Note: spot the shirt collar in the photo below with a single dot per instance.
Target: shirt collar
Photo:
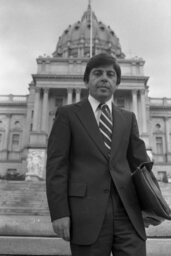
(95, 103)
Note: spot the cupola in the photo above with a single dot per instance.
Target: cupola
(76, 39)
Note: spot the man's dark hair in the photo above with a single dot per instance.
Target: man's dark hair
(102, 59)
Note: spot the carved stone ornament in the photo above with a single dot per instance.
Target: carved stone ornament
(36, 161)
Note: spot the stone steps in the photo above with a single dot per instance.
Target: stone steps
(25, 226)
(56, 246)
(23, 198)
(22, 225)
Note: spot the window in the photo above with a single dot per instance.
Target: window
(159, 145)
(17, 122)
(17, 125)
(13, 174)
(15, 141)
(120, 102)
(158, 126)
(31, 127)
(102, 28)
(162, 176)
(11, 171)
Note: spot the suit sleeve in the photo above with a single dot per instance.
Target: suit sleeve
(57, 166)
(136, 153)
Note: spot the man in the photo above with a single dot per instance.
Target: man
(93, 148)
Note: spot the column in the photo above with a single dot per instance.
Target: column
(82, 52)
(45, 110)
(69, 96)
(36, 110)
(134, 102)
(78, 94)
(167, 130)
(143, 111)
(27, 126)
(7, 132)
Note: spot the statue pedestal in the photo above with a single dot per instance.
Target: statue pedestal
(36, 164)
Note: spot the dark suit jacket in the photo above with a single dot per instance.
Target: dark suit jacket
(79, 171)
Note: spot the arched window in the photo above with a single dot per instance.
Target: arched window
(15, 142)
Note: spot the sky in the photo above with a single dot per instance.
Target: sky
(31, 28)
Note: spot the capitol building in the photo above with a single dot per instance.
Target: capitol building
(26, 121)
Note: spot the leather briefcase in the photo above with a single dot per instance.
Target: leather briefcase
(153, 205)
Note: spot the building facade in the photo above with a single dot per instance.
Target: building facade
(26, 121)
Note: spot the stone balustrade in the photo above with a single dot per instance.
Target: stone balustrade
(160, 101)
(13, 98)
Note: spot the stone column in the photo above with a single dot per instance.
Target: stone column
(27, 127)
(167, 131)
(143, 111)
(45, 110)
(82, 52)
(6, 147)
(36, 110)
(134, 103)
(78, 94)
(69, 96)
(7, 132)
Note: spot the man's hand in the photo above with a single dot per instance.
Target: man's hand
(62, 227)
(151, 219)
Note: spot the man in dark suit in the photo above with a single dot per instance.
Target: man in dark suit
(92, 200)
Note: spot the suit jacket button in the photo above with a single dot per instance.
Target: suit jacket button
(106, 190)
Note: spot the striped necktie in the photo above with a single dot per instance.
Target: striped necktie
(105, 126)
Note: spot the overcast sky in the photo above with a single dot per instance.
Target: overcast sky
(30, 28)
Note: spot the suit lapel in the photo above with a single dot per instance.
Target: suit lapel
(117, 130)
(87, 118)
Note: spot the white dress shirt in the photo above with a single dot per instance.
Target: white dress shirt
(95, 107)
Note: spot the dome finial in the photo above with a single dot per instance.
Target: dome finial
(89, 4)
(91, 30)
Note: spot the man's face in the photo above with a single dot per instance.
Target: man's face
(102, 83)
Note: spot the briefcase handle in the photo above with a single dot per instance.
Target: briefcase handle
(148, 165)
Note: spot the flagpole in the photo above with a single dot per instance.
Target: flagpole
(91, 30)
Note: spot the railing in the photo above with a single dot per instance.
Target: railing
(13, 98)
(160, 101)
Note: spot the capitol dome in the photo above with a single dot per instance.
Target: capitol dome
(75, 40)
